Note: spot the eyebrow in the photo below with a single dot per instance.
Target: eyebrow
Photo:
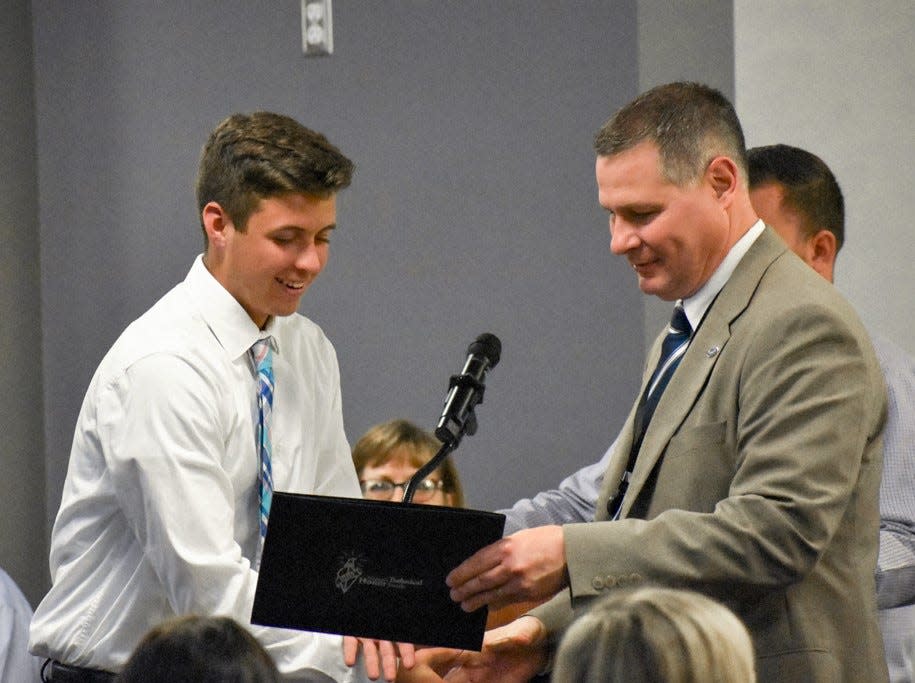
(640, 206)
(298, 228)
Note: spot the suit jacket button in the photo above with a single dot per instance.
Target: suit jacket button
(611, 582)
(597, 583)
(635, 578)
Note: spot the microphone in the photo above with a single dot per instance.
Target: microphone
(466, 390)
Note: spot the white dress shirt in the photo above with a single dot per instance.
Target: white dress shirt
(159, 514)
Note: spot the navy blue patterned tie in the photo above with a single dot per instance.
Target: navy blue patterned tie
(673, 348)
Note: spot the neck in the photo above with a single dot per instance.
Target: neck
(741, 217)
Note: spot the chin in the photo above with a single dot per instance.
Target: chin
(649, 287)
(283, 310)
(655, 287)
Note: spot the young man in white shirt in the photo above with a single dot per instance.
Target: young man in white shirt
(160, 513)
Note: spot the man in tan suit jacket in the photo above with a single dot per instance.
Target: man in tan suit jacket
(757, 479)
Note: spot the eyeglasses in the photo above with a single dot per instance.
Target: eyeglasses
(383, 489)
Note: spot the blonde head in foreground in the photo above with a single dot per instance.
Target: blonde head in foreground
(656, 635)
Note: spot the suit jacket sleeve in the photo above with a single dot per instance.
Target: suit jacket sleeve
(572, 501)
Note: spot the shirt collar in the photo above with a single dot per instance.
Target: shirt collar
(696, 306)
(229, 322)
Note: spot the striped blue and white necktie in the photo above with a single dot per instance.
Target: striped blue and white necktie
(263, 360)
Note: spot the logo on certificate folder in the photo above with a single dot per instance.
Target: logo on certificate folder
(349, 573)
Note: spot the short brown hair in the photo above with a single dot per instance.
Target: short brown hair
(690, 123)
(249, 157)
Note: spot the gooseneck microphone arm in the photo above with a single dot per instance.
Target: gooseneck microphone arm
(426, 470)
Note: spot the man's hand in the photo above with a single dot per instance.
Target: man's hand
(380, 656)
(528, 565)
(511, 653)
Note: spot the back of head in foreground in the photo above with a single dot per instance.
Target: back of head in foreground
(199, 650)
(656, 635)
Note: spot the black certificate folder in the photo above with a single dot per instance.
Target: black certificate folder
(371, 569)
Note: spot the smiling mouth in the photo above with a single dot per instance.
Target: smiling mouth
(291, 285)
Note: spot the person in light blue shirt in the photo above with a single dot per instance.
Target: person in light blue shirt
(16, 664)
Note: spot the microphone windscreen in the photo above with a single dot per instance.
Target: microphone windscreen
(488, 346)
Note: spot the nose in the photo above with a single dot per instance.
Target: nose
(403, 489)
(391, 494)
(623, 238)
(309, 259)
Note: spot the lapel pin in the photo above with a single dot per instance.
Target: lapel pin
(712, 352)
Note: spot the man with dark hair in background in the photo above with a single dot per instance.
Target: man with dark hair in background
(753, 477)
(213, 398)
(795, 192)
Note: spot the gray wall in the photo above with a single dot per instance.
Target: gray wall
(23, 547)
(839, 79)
(473, 208)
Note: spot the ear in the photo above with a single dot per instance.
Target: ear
(723, 177)
(216, 224)
(822, 251)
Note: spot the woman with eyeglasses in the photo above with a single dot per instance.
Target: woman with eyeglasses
(388, 454)
(385, 457)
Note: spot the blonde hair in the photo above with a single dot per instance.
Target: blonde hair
(400, 439)
(656, 635)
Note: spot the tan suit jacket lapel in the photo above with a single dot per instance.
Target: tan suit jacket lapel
(694, 369)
